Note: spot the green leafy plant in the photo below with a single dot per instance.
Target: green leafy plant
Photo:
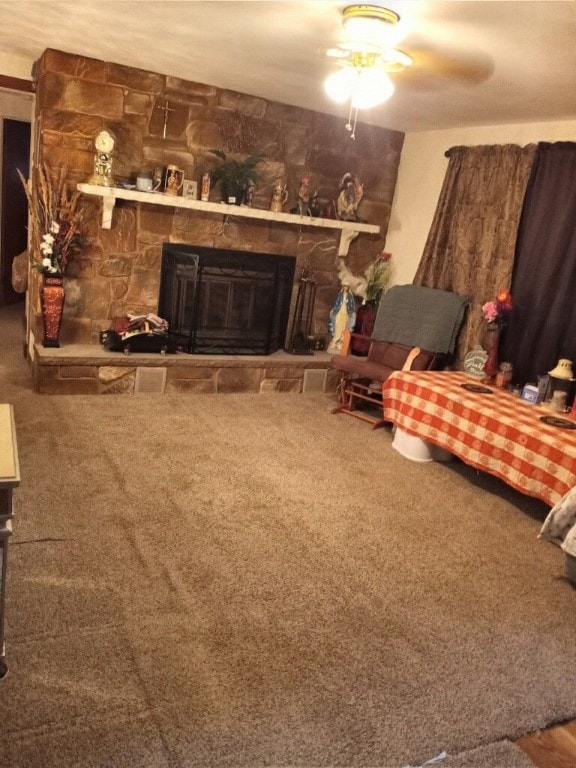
(378, 276)
(235, 176)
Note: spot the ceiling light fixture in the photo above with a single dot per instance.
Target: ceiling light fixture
(366, 56)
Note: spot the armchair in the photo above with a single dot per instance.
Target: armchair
(416, 328)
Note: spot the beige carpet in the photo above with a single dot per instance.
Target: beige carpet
(248, 580)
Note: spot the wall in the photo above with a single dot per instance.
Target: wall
(15, 105)
(421, 173)
(119, 272)
(15, 66)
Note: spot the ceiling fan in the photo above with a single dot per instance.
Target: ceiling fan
(366, 56)
(369, 54)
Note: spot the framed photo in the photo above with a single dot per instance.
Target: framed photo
(190, 190)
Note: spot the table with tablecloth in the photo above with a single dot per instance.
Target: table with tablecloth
(497, 432)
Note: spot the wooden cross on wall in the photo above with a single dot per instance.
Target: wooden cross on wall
(166, 109)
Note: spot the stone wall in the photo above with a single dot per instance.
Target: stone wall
(120, 269)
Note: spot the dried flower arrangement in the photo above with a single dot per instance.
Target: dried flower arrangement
(56, 220)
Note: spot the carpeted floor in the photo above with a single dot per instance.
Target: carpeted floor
(248, 581)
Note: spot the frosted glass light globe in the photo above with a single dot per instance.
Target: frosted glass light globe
(365, 86)
(340, 85)
(372, 87)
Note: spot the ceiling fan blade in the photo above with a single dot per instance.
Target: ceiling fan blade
(434, 70)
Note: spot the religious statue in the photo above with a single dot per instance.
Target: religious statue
(342, 318)
(351, 191)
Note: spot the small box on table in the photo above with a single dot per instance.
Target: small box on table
(530, 393)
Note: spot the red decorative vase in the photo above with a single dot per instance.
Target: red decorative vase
(491, 366)
(52, 302)
(365, 318)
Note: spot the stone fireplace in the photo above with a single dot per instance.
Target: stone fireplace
(225, 302)
(119, 269)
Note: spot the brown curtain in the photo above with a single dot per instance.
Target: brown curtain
(470, 247)
(542, 326)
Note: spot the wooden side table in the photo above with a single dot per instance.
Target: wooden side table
(9, 479)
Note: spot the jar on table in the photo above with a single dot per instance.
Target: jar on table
(504, 376)
(558, 401)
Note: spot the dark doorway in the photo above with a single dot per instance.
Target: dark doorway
(225, 302)
(14, 215)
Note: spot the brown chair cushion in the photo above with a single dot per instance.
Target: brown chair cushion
(394, 355)
(384, 358)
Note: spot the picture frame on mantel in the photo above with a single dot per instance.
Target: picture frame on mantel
(190, 189)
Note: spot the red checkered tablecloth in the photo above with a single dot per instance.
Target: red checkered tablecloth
(498, 432)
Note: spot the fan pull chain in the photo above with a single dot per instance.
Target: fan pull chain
(349, 125)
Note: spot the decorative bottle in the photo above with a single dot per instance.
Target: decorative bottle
(205, 188)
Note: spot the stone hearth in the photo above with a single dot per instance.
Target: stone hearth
(88, 369)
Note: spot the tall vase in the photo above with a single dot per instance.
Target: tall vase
(52, 302)
(365, 318)
(491, 366)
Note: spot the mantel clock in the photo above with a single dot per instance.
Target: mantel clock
(104, 142)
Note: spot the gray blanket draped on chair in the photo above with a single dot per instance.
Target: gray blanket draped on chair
(421, 317)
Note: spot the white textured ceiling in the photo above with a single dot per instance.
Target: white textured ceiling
(476, 63)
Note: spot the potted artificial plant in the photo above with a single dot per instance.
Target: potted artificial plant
(234, 176)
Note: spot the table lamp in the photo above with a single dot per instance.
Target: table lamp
(561, 380)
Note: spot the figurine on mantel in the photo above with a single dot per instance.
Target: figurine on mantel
(302, 207)
(315, 206)
(279, 197)
(249, 194)
(351, 192)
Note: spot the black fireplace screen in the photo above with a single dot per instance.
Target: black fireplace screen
(225, 302)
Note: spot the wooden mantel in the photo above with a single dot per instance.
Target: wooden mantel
(348, 229)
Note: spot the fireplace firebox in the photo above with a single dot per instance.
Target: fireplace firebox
(225, 302)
